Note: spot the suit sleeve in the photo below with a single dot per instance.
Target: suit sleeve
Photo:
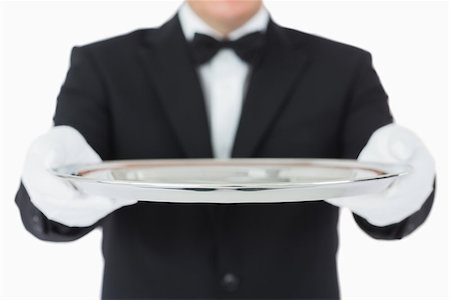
(82, 104)
(367, 111)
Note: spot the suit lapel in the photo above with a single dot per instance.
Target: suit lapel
(167, 60)
(269, 88)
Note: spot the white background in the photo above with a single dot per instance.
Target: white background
(409, 43)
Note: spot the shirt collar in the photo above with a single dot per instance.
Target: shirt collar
(192, 23)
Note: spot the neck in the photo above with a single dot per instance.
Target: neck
(224, 26)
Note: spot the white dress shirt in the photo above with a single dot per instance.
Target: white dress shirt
(224, 78)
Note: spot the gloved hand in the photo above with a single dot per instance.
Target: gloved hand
(394, 144)
(57, 200)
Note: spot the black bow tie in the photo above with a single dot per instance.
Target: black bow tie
(248, 47)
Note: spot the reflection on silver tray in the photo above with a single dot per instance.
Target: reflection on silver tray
(237, 180)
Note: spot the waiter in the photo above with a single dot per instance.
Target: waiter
(221, 79)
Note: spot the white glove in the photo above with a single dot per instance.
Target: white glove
(394, 144)
(57, 200)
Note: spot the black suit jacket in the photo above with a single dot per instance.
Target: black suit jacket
(138, 96)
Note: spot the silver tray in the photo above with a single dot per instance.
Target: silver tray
(246, 180)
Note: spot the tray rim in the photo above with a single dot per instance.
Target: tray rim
(67, 172)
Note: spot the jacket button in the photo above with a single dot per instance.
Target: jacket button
(230, 282)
